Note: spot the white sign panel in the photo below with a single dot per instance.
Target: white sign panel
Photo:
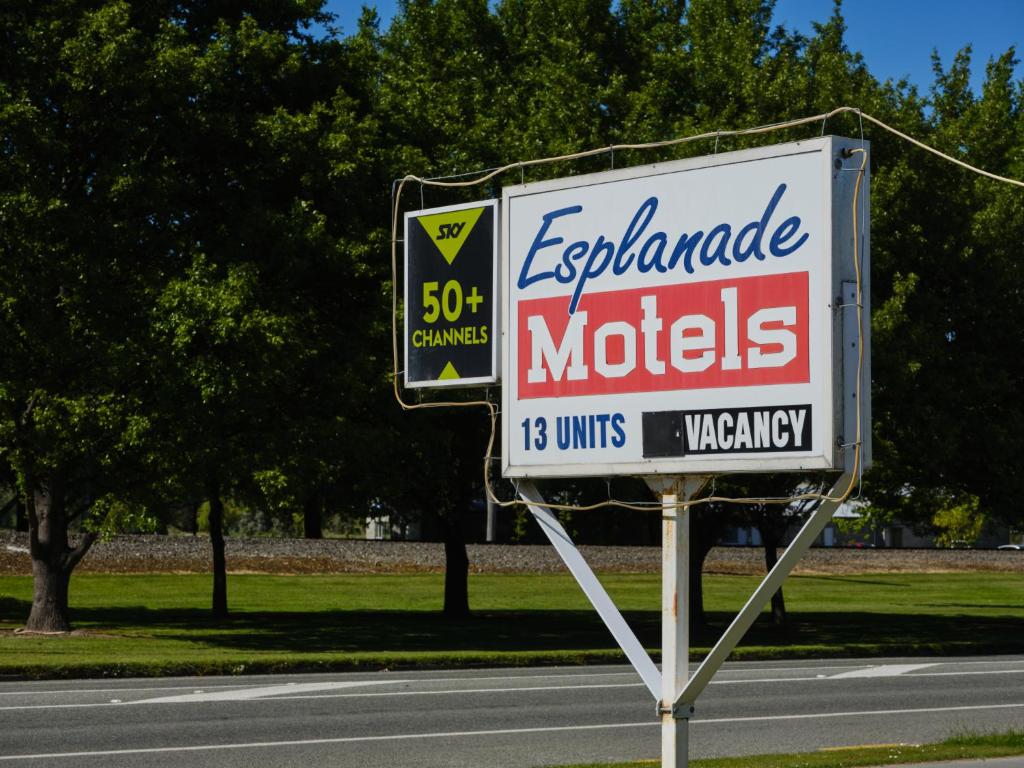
(680, 317)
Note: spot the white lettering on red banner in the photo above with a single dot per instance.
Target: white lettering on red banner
(717, 333)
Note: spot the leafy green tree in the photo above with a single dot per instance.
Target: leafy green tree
(947, 324)
(261, 328)
(559, 71)
(958, 524)
(82, 247)
(438, 79)
(773, 521)
(652, 93)
(170, 254)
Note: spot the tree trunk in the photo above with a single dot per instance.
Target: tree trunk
(53, 559)
(771, 540)
(698, 554)
(20, 516)
(705, 528)
(456, 568)
(50, 611)
(312, 516)
(220, 573)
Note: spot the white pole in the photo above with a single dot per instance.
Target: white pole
(675, 630)
(675, 611)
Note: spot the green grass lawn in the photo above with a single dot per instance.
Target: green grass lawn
(151, 624)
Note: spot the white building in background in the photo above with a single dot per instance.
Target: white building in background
(382, 529)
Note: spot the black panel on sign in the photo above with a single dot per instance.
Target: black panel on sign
(768, 429)
(449, 332)
(663, 434)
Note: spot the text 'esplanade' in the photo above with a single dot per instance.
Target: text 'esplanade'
(642, 251)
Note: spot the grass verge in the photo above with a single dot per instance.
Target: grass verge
(160, 624)
(965, 747)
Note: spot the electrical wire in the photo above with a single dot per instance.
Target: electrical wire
(488, 174)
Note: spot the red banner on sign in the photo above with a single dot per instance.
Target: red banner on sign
(720, 333)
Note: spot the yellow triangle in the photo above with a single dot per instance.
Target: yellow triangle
(449, 231)
(449, 372)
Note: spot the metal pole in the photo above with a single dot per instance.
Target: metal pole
(492, 521)
(675, 630)
(675, 612)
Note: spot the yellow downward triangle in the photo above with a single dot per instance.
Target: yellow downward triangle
(449, 231)
(449, 372)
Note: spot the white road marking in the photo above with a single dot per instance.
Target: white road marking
(971, 674)
(64, 691)
(191, 687)
(465, 691)
(288, 692)
(882, 670)
(821, 715)
(501, 732)
(731, 668)
(263, 692)
(753, 666)
(310, 742)
(62, 706)
(823, 678)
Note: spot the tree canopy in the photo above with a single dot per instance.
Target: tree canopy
(194, 234)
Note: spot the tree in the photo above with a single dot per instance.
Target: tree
(82, 167)
(558, 74)
(155, 230)
(428, 464)
(438, 80)
(773, 520)
(261, 327)
(439, 64)
(958, 524)
(948, 310)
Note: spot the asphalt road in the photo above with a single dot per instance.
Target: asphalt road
(494, 718)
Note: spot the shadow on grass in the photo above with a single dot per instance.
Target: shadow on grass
(854, 580)
(13, 611)
(973, 606)
(517, 631)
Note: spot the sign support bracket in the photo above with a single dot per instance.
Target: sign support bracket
(591, 587)
(745, 618)
(673, 688)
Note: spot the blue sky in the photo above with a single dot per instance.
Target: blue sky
(896, 37)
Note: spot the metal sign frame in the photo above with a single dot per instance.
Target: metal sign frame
(830, 178)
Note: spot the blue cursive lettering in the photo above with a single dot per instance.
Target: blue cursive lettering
(525, 278)
(786, 230)
(582, 260)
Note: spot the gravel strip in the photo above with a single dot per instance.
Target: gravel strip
(188, 554)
